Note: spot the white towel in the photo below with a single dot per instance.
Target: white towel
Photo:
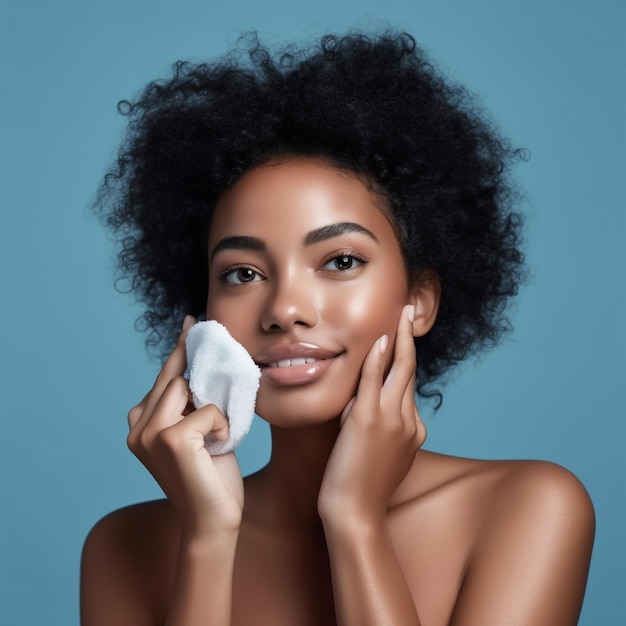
(221, 372)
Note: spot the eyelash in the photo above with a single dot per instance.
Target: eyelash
(222, 276)
(349, 254)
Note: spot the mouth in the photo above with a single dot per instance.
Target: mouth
(296, 363)
(291, 362)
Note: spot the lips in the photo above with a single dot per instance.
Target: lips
(293, 354)
(291, 362)
(295, 363)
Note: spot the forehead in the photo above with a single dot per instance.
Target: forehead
(292, 198)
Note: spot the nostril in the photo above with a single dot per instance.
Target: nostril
(283, 326)
(289, 307)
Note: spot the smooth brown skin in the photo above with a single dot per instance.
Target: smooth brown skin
(350, 522)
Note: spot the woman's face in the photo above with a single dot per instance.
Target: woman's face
(306, 273)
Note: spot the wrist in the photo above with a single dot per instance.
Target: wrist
(353, 524)
(203, 523)
(198, 543)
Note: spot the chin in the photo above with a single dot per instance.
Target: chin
(299, 412)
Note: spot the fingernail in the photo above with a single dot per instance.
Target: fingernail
(411, 313)
(382, 344)
(187, 322)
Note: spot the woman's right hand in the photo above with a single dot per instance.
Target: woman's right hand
(167, 435)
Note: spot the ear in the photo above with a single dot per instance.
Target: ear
(425, 294)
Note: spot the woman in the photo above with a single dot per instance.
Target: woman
(347, 207)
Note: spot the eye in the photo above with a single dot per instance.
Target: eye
(344, 262)
(239, 275)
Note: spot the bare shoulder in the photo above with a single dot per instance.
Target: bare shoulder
(537, 495)
(502, 487)
(126, 565)
(141, 519)
(541, 505)
(541, 488)
(525, 530)
(525, 496)
(534, 549)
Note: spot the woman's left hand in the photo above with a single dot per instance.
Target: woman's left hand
(381, 431)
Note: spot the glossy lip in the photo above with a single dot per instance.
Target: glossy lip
(282, 351)
(304, 373)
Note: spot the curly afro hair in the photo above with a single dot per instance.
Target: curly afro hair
(373, 105)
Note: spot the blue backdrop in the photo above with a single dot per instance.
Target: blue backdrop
(552, 73)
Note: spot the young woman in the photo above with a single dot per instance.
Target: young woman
(348, 216)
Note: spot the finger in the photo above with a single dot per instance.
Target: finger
(422, 431)
(221, 426)
(174, 366)
(177, 361)
(411, 416)
(346, 411)
(371, 381)
(182, 446)
(197, 426)
(136, 412)
(408, 407)
(402, 372)
(168, 410)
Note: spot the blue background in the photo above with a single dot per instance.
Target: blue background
(553, 75)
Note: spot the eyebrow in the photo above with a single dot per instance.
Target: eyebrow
(239, 242)
(335, 230)
(245, 242)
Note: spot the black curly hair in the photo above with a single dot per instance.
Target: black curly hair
(373, 105)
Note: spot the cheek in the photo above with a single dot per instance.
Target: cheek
(236, 318)
(366, 310)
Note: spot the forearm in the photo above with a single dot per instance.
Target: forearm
(202, 592)
(368, 583)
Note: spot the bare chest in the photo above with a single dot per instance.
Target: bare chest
(281, 580)
(286, 581)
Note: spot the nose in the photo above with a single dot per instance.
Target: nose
(290, 303)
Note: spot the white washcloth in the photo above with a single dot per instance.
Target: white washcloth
(221, 372)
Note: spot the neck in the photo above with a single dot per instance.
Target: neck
(292, 478)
